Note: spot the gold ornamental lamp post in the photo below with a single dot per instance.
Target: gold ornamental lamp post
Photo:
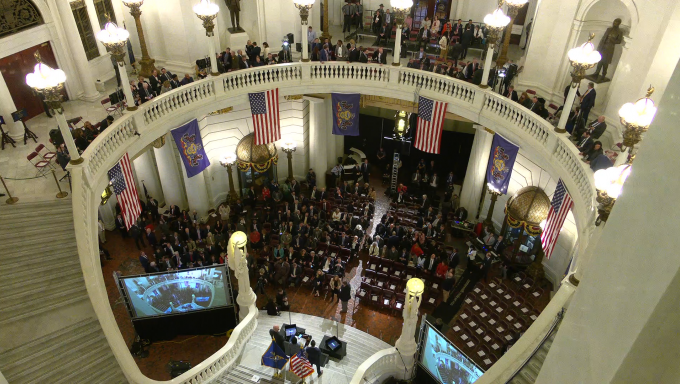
(513, 9)
(609, 184)
(324, 33)
(289, 147)
(228, 162)
(147, 63)
(50, 82)
(494, 197)
(581, 59)
(304, 6)
(495, 23)
(400, 8)
(115, 40)
(637, 117)
(207, 12)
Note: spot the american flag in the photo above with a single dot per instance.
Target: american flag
(559, 208)
(430, 124)
(300, 366)
(265, 109)
(126, 192)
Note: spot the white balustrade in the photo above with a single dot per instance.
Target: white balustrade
(297, 78)
(381, 365)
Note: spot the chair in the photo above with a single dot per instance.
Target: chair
(308, 276)
(399, 301)
(112, 108)
(398, 269)
(394, 283)
(364, 289)
(44, 153)
(376, 296)
(369, 277)
(41, 166)
(411, 272)
(386, 266)
(373, 262)
(387, 297)
(382, 279)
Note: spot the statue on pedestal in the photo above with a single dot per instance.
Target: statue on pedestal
(234, 11)
(612, 37)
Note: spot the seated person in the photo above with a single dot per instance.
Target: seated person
(273, 310)
(282, 300)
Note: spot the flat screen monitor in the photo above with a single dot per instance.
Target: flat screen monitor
(445, 362)
(291, 330)
(117, 97)
(19, 115)
(333, 343)
(177, 292)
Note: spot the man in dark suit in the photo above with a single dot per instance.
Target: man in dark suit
(454, 258)
(186, 80)
(156, 82)
(379, 56)
(145, 92)
(314, 356)
(456, 51)
(532, 104)
(466, 40)
(174, 211)
(424, 36)
(325, 55)
(471, 68)
(255, 51)
(498, 246)
(353, 55)
(144, 260)
(174, 83)
(585, 144)
(364, 167)
(588, 101)
(363, 58)
(511, 93)
(486, 266)
(383, 34)
(276, 335)
(597, 128)
(458, 28)
(120, 224)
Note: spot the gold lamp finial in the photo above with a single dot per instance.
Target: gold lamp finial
(592, 36)
(650, 90)
(37, 56)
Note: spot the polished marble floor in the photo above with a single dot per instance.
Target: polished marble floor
(18, 172)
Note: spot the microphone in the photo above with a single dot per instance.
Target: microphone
(403, 362)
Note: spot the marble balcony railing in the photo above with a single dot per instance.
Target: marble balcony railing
(136, 130)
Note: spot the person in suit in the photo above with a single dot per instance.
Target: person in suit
(145, 92)
(325, 54)
(458, 28)
(466, 40)
(353, 54)
(363, 58)
(511, 93)
(186, 80)
(424, 36)
(485, 267)
(471, 68)
(120, 224)
(532, 103)
(586, 144)
(345, 295)
(379, 57)
(365, 168)
(597, 127)
(588, 101)
(383, 34)
(314, 356)
(156, 82)
(594, 152)
(498, 246)
(255, 51)
(144, 260)
(275, 333)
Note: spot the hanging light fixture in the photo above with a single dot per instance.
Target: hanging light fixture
(207, 11)
(401, 125)
(637, 117)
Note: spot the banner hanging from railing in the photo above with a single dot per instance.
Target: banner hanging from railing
(190, 146)
(501, 160)
(346, 114)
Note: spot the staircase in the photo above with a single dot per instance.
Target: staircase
(529, 373)
(49, 332)
(244, 375)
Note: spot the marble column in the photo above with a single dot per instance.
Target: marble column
(318, 141)
(623, 322)
(107, 213)
(396, 54)
(148, 175)
(7, 106)
(77, 51)
(473, 185)
(197, 192)
(173, 191)
(94, 21)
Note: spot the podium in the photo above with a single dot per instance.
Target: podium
(338, 353)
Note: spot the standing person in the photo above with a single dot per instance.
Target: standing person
(314, 356)
(447, 285)
(348, 15)
(334, 285)
(345, 295)
(588, 101)
(364, 170)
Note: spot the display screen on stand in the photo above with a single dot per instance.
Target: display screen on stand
(445, 362)
(177, 292)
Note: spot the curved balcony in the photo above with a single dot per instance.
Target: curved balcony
(134, 131)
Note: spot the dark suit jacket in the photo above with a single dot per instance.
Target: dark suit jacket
(363, 58)
(512, 96)
(278, 339)
(156, 84)
(353, 55)
(467, 37)
(383, 58)
(587, 146)
(314, 355)
(588, 100)
(597, 131)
